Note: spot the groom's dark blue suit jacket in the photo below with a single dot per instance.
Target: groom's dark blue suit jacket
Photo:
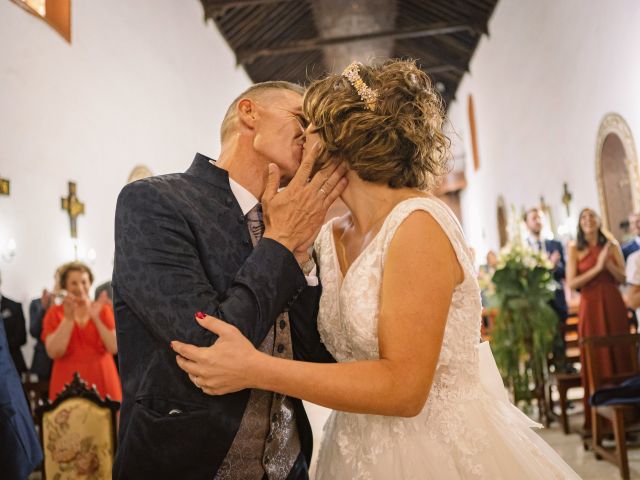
(182, 246)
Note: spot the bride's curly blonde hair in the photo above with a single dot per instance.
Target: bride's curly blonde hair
(399, 142)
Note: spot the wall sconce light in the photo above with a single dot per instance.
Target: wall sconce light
(9, 251)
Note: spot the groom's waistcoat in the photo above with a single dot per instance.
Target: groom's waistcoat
(267, 441)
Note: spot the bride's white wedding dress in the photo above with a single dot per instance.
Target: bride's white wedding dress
(467, 429)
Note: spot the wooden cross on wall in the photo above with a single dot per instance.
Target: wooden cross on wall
(5, 186)
(74, 208)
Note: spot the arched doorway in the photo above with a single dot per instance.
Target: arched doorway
(617, 174)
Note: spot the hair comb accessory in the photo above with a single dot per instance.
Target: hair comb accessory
(366, 93)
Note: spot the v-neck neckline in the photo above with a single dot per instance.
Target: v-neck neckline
(343, 276)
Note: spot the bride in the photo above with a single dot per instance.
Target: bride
(414, 394)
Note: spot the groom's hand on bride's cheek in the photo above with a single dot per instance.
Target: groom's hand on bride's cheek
(293, 215)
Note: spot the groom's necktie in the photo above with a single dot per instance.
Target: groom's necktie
(267, 443)
(255, 223)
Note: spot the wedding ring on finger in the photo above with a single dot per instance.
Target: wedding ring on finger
(322, 190)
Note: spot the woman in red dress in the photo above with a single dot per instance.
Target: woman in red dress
(596, 268)
(79, 336)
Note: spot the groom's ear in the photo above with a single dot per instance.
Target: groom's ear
(247, 113)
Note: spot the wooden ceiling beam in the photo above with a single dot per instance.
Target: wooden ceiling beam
(248, 56)
(216, 8)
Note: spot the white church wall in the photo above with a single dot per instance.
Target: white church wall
(143, 82)
(541, 84)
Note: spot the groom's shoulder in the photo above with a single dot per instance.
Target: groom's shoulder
(153, 188)
(164, 183)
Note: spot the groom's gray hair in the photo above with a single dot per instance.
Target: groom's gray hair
(253, 93)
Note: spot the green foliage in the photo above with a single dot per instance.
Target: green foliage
(522, 335)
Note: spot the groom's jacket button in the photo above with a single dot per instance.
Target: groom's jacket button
(280, 348)
(245, 241)
(241, 218)
(229, 202)
(283, 324)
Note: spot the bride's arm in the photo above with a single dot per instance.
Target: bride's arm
(420, 273)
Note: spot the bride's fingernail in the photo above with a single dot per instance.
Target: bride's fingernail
(200, 315)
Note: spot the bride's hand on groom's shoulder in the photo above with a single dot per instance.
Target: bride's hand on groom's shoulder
(226, 366)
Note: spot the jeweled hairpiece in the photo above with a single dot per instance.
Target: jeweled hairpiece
(367, 94)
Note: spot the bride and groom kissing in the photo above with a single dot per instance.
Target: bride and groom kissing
(230, 309)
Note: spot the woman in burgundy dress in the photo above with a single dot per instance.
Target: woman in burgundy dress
(596, 268)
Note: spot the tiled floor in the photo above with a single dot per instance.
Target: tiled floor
(584, 462)
(569, 447)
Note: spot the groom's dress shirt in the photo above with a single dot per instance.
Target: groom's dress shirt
(247, 201)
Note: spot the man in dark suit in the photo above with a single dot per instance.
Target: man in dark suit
(41, 364)
(16, 330)
(20, 450)
(554, 250)
(632, 245)
(197, 242)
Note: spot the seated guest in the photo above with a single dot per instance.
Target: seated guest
(632, 245)
(20, 451)
(553, 249)
(41, 363)
(15, 328)
(79, 336)
(596, 267)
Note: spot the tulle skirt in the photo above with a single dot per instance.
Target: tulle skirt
(481, 437)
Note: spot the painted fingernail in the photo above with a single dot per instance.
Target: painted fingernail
(200, 315)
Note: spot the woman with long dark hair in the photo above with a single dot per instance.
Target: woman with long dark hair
(596, 268)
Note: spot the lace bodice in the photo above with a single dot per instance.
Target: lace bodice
(348, 317)
(348, 325)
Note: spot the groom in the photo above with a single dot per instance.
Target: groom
(196, 242)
